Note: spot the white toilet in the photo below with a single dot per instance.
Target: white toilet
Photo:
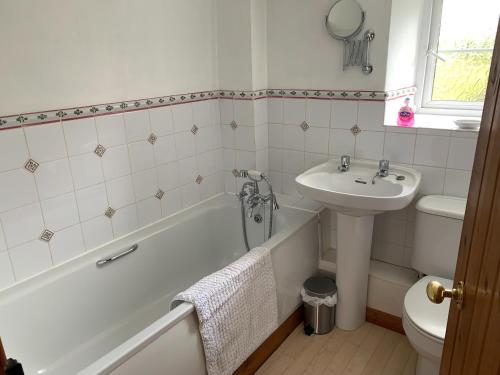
(438, 227)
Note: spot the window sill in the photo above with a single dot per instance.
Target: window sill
(436, 122)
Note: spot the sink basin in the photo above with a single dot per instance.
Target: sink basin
(355, 200)
(353, 193)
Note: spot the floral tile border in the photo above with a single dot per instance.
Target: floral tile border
(46, 117)
(328, 94)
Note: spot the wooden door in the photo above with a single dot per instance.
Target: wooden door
(472, 343)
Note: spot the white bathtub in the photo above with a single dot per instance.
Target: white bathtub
(81, 319)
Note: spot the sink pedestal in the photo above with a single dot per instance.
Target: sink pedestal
(354, 240)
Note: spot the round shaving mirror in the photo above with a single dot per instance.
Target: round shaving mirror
(345, 19)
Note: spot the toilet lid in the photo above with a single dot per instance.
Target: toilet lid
(429, 317)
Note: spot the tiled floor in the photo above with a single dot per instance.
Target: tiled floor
(368, 350)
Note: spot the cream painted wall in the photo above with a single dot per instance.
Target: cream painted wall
(301, 54)
(59, 54)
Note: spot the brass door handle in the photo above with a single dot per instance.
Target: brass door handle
(437, 293)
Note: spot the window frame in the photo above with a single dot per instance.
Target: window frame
(431, 25)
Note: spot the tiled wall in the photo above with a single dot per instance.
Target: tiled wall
(71, 185)
(444, 157)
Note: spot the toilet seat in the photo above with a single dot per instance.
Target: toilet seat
(425, 322)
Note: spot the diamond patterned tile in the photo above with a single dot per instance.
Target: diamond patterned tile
(355, 130)
(152, 138)
(194, 129)
(31, 165)
(159, 194)
(199, 179)
(100, 150)
(46, 235)
(304, 126)
(109, 212)
(234, 125)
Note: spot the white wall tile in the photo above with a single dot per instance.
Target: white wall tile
(148, 211)
(141, 156)
(245, 138)
(6, 272)
(226, 111)
(228, 137)
(289, 185)
(344, 114)
(97, 232)
(183, 117)
(369, 145)
(92, 201)
(137, 125)
(262, 160)
(202, 115)
(86, 170)
(168, 176)
(30, 259)
(3, 245)
(275, 159)
(46, 142)
(185, 145)
(246, 160)
(318, 112)
(171, 202)
(190, 194)
(14, 149)
(145, 184)
(276, 135)
(244, 112)
(164, 149)
(53, 178)
(277, 181)
(457, 182)
(371, 115)
(316, 140)
(260, 111)
(60, 212)
(204, 140)
(294, 111)
(293, 138)
(215, 112)
(206, 163)
(161, 120)
(399, 147)
(67, 244)
(17, 188)
(275, 110)
(188, 170)
(115, 162)
(111, 130)
(461, 154)
(229, 162)
(125, 220)
(81, 136)
(208, 187)
(341, 142)
(432, 180)
(293, 162)
(22, 224)
(120, 192)
(261, 137)
(313, 160)
(431, 150)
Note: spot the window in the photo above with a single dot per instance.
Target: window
(458, 56)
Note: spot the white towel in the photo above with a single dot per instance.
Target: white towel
(237, 309)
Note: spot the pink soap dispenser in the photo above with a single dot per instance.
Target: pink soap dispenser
(406, 114)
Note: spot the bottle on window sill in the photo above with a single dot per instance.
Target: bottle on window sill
(13, 367)
(406, 114)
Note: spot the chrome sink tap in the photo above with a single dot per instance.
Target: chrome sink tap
(345, 163)
(383, 168)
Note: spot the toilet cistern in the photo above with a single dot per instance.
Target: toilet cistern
(345, 190)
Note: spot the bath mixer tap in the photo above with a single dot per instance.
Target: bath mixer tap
(345, 163)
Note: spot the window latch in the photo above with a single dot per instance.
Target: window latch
(436, 55)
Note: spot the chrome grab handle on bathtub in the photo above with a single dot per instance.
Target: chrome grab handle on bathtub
(104, 261)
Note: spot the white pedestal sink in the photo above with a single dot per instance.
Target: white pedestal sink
(355, 200)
